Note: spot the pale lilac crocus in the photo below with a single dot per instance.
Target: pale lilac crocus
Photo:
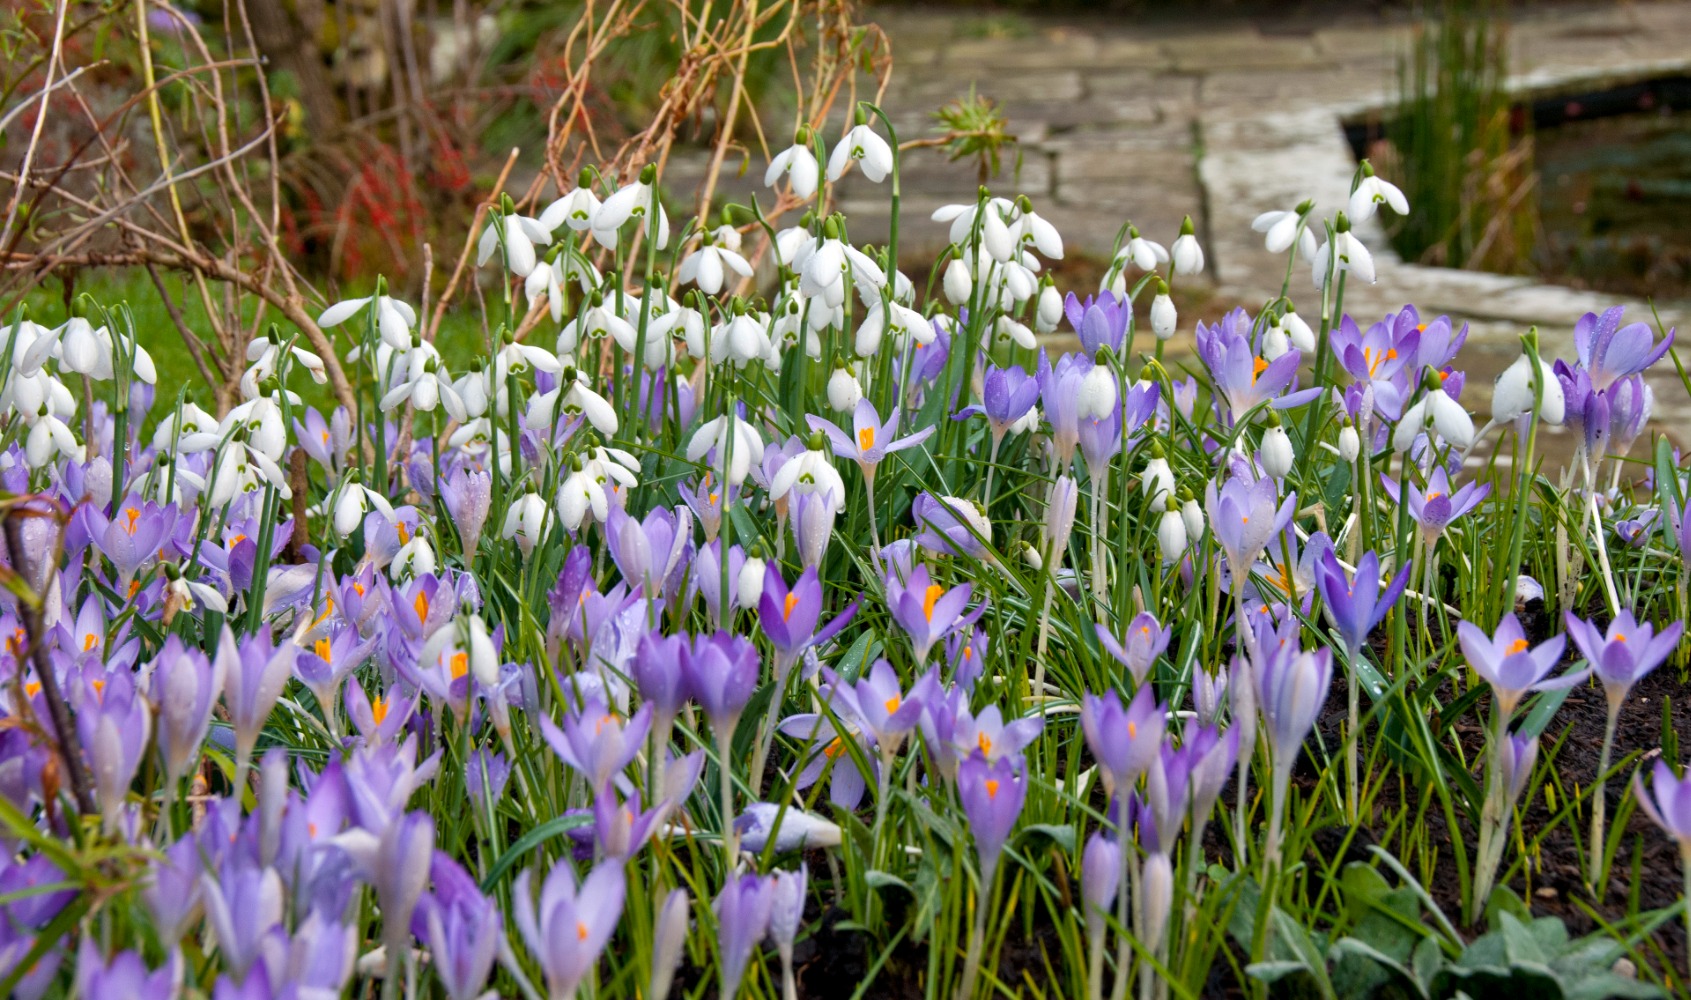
(460, 926)
(1668, 804)
(927, 611)
(1513, 666)
(1291, 686)
(1620, 659)
(596, 742)
(1146, 639)
(1100, 321)
(572, 925)
(114, 724)
(786, 916)
(812, 517)
(184, 688)
(255, 672)
(1100, 879)
(1436, 507)
(468, 495)
(1609, 351)
(1355, 606)
(742, 919)
(1123, 737)
(1007, 394)
(1244, 516)
(870, 440)
(992, 795)
(126, 975)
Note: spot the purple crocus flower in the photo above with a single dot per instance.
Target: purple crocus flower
(951, 526)
(1609, 351)
(886, 712)
(1586, 408)
(254, 675)
(596, 742)
(1240, 377)
(1628, 651)
(721, 672)
(786, 916)
(1100, 321)
(1435, 508)
(135, 533)
(1007, 394)
(742, 919)
(1291, 686)
(669, 939)
(1356, 605)
(1380, 358)
(993, 795)
(658, 674)
(184, 687)
(1100, 441)
(114, 723)
(1146, 640)
(242, 906)
(125, 975)
(172, 893)
(327, 662)
(1243, 517)
(812, 516)
(789, 617)
(870, 440)
(461, 927)
(651, 553)
(569, 931)
(925, 610)
(1667, 803)
(468, 495)
(1059, 391)
(1511, 664)
(1123, 738)
(485, 775)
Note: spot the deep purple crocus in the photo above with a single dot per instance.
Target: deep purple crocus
(569, 931)
(1511, 664)
(1628, 651)
(1101, 321)
(1356, 604)
(721, 672)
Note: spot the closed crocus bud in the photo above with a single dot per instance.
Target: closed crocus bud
(844, 390)
(958, 284)
(1276, 452)
(1050, 311)
(1163, 317)
(1098, 393)
(1059, 513)
(1302, 337)
(1187, 256)
(1156, 894)
(1350, 443)
(669, 938)
(1171, 535)
(1100, 874)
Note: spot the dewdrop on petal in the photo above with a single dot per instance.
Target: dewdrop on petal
(843, 389)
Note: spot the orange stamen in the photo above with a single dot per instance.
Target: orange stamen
(866, 439)
(787, 612)
(935, 592)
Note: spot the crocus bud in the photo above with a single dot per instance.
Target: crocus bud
(1350, 443)
(669, 938)
(1163, 317)
(1517, 754)
(1276, 452)
(844, 390)
(1098, 393)
(958, 284)
(1059, 513)
(1156, 896)
(1100, 873)
(1171, 535)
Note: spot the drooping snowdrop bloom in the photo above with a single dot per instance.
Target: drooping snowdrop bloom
(265, 354)
(636, 200)
(1143, 253)
(574, 210)
(1372, 192)
(394, 318)
(525, 522)
(718, 253)
(742, 340)
(844, 390)
(1280, 230)
(722, 435)
(600, 319)
(1444, 414)
(1029, 229)
(515, 235)
(861, 145)
(574, 397)
(824, 264)
(799, 164)
(427, 384)
(1186, 254)
(1163, 317)
(1514, 393)
(1350, 256)
(900, 321)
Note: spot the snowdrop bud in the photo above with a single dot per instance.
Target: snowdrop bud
(349, 509)
(844, 390)
(1276, 452)
(1302, 337)
(1098, 393)
(1171, 535)
(1512, 396)
(1192, 513)
(1158, 478)
(748, 587)
(1027, 423)
(1031, 557)
(1275, 343)
(1163, 318)
(1350, 443)
(958, 284)
(1051, 310)
(1188, 257)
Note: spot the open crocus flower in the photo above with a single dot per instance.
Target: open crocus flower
(1435, 508)
(952, 526)
(1511, 664)
(1241, 377)
(927, 611)
(870, 440)
(1007, 394)
(1609, 351)
(1146, 640)
(1625, 653)
(1100, 321)
(1243, 515)
(573, 924)
(1124, 738)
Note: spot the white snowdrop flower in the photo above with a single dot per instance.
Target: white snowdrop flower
(741, 340)
(1007, 330)
(1144, 254)
(810, 471)
(394, 317)
(1373, 192)
(1352, 257)
(1030, 228)
(715, 434)
(799, 164)
(1350, 443)
(1445, 414)
(599, 320)
(546, 281)
(574, 210)
(1171, 535)
(50, 437)
(260, 420)
(659, 349)
(1513, 394)
(84, 350)
(266, 355)
(580, 494)
(1280, 230)
(1028, 422)
(958, 284)
(1275, 343)
(525, 522)
(415, 558)
(844, 390)
(1157, 480)
(1163, 317)
(900, 321)
(1049, 312)
(708, 265)
(471, 388)
(961, 217)
(30, 347)
(518, 358)
(748, 586)
(427, 384)
(1297, 331)
(996, 238)
(1276, 452)
(187, 432)
(825, 263)
(1098, 393)
(1192, 512)
(861, 145)
(632, 201)
(1187, 255)
(579, 399)
(354, 501)
(788, 243)
(517, 234)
